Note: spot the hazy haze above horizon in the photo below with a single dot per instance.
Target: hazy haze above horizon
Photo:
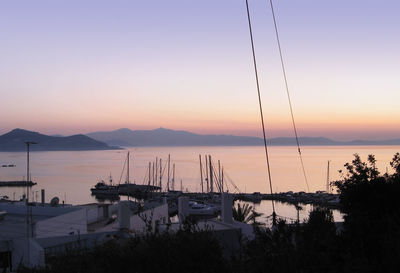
(74, 66)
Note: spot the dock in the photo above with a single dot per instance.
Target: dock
(17, 183)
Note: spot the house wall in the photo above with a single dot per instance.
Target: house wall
(136, 222)
(98, 213)
(157, 214)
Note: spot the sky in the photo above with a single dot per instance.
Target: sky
(78, 66)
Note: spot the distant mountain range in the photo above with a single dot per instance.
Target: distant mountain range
(15, 141)
(166, 137)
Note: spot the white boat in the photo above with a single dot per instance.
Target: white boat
(201, 209)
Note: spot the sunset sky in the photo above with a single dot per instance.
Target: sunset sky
(77, 66)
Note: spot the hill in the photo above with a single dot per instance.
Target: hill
(15, 141)
(167, 137)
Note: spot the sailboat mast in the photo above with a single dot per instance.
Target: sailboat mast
(152, 174)
(173, 177)
(327, 179)
(208, 188)
(160, 176)
(149, 173)
(169, 162)
(127, 170)
(156, 177)
(211, 174)
(219, 176)
(201, 175)
(222, 179)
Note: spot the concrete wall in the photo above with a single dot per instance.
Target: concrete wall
(66, 224)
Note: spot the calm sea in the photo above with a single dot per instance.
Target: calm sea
(70, 175)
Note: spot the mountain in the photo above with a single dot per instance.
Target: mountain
(166, 137)
(15, 141)
(306, 141)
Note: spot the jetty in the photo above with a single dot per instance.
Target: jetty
(17, 183)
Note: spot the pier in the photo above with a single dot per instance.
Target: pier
(17, 183)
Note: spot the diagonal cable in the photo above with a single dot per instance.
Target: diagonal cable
(259, 102)
(287, 92)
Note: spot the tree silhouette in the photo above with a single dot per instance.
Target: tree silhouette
(245, 213)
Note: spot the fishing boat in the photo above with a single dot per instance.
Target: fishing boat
(104, 189)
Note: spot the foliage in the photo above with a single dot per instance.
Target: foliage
(246, 214)
(372, 221)
(184, 251)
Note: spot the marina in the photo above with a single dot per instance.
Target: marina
(71, 175)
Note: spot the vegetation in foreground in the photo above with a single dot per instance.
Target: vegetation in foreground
(369, 241)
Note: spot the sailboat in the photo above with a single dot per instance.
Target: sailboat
(129, 188)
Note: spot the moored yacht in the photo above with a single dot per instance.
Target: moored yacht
(201, 209)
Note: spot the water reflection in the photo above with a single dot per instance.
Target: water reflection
(286, 211)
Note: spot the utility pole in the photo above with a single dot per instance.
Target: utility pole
(201, 175)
